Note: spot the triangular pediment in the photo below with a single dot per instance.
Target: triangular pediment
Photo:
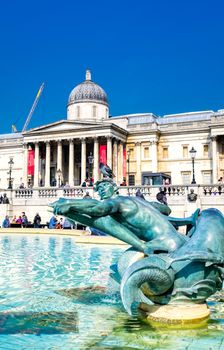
(60, 126)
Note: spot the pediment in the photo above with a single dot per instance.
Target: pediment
(60, 126)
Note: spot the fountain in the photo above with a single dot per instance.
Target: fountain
(165, 276)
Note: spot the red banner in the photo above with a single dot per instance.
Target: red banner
(103, 154)
(124, 162)
(30, 162)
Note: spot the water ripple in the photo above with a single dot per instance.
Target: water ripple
(55, 294)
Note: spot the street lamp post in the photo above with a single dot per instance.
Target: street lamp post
(59, 173)
(90, 160)
(128, 163)
(11, 163)
(193, 154)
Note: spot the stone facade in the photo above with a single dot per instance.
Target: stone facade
(134, 146)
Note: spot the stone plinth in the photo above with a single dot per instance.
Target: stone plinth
(179, 314)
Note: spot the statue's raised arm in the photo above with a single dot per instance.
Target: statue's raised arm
(130, 219)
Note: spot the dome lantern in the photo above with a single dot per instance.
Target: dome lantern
(88, 74)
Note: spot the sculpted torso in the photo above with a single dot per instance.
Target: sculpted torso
(141, 218)
(130, 219)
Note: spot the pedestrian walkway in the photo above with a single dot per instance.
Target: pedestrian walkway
(80, 236)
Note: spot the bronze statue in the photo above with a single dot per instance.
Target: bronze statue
(133, 220)
(174, 268)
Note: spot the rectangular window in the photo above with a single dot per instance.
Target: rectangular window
(205, 150)
(206, 177)
(185, 152)
(131, 153)
(146, 180)
(186, 177)
(165, 152)
(146, 152)
(131, 180)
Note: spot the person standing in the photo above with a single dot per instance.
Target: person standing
(6, 222)
(24, 220)
(220, 180)
(36, 221)
(5, 199)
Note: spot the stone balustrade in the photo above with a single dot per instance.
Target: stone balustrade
(148, 191)
(23, 193)
(38, 199)
(48, 193)
(77, 192)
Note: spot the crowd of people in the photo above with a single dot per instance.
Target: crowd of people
(22, 221)
(61, 223)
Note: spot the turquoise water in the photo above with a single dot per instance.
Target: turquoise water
(55, 294)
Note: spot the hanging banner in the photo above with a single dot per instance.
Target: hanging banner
(103, 154)
(124, 163)
(31, 162)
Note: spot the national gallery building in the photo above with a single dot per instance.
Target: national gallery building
(135, 146)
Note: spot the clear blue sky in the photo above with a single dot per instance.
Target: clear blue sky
(150, 56)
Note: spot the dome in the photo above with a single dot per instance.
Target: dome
(88, 91)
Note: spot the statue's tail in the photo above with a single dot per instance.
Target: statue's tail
(149, 276)
(200, 256)
(191, 220)
(195, 216)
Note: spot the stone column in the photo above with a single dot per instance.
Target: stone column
(214, 159)
(120, 162)
(76, 176)
(36, 165)
(115, 156)
(154, 157)
(47, 164)
(138, 179)
(96, 160)
(59, 155)
(71, 163)
(83, 160)
(25, 164)
(59, 161)
(109, 151)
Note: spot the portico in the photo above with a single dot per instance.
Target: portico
(69, 157)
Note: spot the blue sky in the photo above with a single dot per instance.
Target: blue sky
(155, 56)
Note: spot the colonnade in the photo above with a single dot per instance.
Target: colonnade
(69, 172)
(75, 169)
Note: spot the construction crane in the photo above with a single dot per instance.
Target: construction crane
(33, 107)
